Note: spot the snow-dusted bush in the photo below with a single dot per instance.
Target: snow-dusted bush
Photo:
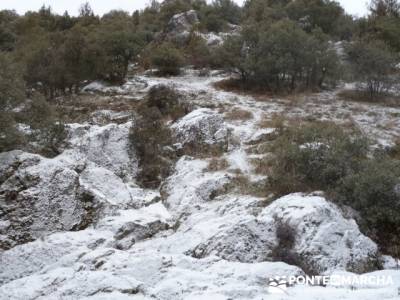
(167, 59)
(151, 136)
(315, 157)
(374, 192)
(167, 100)
(323, 156)
(373, 65)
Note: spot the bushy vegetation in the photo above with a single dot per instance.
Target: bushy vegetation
(168, 101)
(322, 156)
(278, 53)
(167, 59)
(373, 65)
(374, 192)
(283, 45)
(59, 52)
(11, 95)
(315, 156)
(151, 137)
(44, 129)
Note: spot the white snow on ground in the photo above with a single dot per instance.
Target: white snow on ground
(375, 120)
(204, 240)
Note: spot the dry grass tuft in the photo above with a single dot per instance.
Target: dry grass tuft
(360, 96)
(239, 114)
(274, 121)
(218, 164)
(262, 165)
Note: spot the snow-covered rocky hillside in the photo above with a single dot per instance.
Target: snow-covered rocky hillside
(78, 226)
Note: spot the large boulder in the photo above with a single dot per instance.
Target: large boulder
(182, 22)
(189, 187)
(55, 250)
(112, 274)
(249, 240)
(66, 283)
(61, 249)
(38, 196)
(130, 226)
(323, 239)
(180, 26)
(107, 146)
(202, 132)
(106, 187)
(305, 230)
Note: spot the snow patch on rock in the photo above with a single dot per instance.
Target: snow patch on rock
(107, 146)
(324, 239)
(202, 132)
(38, 196)
(189, 187)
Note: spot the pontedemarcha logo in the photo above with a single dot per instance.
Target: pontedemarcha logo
(277, 285)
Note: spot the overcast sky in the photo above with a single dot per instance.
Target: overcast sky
(355, 7)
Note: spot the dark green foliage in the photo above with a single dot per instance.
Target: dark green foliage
(262, 10)
(10, 137)
(58, 53)
(383, 23)
(199, 54)
(216, 16)
(227, 10)
(315, 157)
(375, 193)
(232, 55)
(167, 59)
(281, 57)
(8, 35)
(373, 64)
(47, 132)
(170, 8)
(12, 87)
(326, 15)
(119, 43)
(167, 101)
(385, 8)
(151, 137)
(388, 30)
(322, 156)
(12, 92)
(312, 14)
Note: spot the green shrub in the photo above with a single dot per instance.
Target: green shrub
(167, 59)
(12, 93)
(281, 57)
(374, 192)
(12, 86)
(315, 157)
(372, 64)
(150, 138)
(199, 54)
(10, 137)
(48, 132)
(322, 156)
(167, 100)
